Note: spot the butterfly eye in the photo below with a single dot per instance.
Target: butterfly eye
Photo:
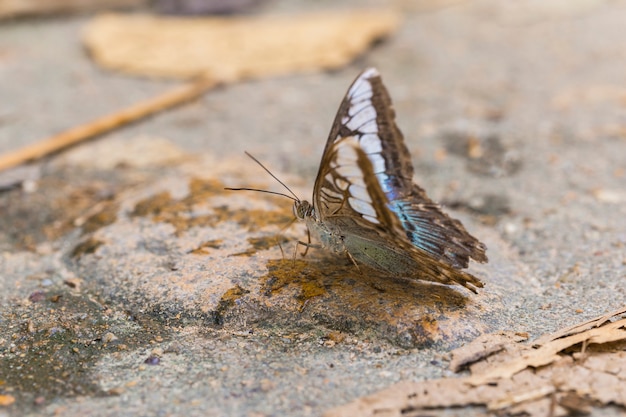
(298, 210)
(302, 209)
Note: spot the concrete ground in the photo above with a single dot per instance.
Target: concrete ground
(133, 284)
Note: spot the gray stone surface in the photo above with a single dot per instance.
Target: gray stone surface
(127, 249)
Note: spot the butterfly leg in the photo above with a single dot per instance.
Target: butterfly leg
(308, 239)
(282, 253)
(353, 261)
(308, 244)
(282, 229)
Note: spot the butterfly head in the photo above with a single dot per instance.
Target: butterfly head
(302, 209)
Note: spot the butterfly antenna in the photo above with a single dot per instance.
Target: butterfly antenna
(261, 191)
(273, 176)
(294, 198)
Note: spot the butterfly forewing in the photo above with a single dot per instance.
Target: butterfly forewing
(366, 116)
(364, 192)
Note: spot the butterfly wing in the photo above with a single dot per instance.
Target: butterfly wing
(366, 177)
(375, 237)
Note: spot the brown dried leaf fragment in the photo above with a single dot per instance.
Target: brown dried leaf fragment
(482, 347)
(511, 378)
(568, 331)
(230, 49)
(549, 352)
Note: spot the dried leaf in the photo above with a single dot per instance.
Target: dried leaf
(229, 49)
(568, 331)
(548, 352)
(482, 347)
(517, 379)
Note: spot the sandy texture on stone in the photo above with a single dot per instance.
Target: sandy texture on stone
(133, 284)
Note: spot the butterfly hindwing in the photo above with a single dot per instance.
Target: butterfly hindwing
(428, 228)
(382, 244)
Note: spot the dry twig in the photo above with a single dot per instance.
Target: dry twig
(104, 124)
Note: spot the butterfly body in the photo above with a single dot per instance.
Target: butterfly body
(366, 205)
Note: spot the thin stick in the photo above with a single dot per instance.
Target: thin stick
(104, 124)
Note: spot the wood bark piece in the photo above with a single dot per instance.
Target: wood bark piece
(230, 49)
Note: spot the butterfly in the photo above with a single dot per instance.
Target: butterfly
(365, 204)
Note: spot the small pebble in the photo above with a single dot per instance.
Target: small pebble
(109, 337)
(73, 282)
(116, 391)
(29, 186)
(152, 360)
(266, 385)
(510, 228)
(37, 296)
